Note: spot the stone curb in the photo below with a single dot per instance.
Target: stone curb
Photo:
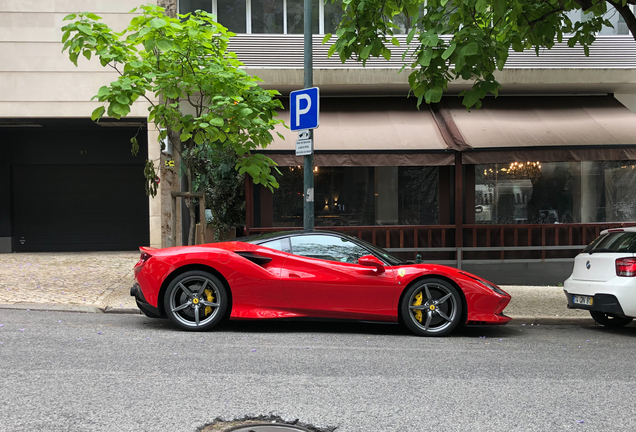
(550, 320)
(69, 308)
(516, 320)
(130, 311)
(51, 307)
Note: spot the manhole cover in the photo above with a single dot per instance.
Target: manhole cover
(268, 427)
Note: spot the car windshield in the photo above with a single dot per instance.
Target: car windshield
(613, 242)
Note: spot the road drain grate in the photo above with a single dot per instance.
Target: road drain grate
(268, 427)
(269, 423)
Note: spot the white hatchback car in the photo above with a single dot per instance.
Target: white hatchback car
(603, 280)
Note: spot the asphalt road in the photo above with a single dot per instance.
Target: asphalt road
(106, 372)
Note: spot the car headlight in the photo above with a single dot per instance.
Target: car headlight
(493, 287)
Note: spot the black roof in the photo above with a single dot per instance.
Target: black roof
(258, 238)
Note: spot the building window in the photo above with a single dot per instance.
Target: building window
(269, 16)
(353, 196)
(186, 6)
(555, 192)
(296, 16)
(332, 16)
(232, 14)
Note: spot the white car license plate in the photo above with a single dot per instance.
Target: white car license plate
(584, 300)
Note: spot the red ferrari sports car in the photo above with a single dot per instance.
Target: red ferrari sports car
(309, 274)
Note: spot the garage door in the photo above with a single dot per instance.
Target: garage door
(79, 207)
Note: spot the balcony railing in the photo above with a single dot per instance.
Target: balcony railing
(481, 243)
(286, 52)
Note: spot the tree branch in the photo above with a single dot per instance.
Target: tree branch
(114, 66)
(545, 15)
(585, 4)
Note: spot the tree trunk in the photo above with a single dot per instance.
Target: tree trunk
(190, 205)
(627, 14)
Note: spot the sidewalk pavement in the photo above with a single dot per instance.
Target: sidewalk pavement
(97, 282)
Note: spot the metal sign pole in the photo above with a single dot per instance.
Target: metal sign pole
(308, 219)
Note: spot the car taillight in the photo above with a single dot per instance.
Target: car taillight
(626, 267)
(142, 261)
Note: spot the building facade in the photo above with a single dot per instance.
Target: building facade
(67, 183)
(504, 191)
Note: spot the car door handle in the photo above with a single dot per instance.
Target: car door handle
(294, 275)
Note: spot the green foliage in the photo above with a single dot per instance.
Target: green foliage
(223, 186)
(152, 179)
(196, 88)
(479, 35)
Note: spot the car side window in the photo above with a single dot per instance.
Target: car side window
(327, 247)
(279, 244)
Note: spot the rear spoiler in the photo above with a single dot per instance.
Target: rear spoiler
(613, 230)
(148, 250)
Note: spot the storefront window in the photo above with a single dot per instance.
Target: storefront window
(555, 192)
(356, 196)
(418, 195)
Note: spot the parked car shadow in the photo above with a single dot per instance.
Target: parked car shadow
(330, 326)
(629, 330)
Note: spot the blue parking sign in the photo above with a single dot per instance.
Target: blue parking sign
(304, 108)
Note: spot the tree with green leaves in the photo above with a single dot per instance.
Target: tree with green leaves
(479, 33)
(222, 185)
(198, 93)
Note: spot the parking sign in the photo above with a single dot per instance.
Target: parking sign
(304, 108)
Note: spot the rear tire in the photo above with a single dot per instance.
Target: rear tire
(610, 320)
(196, 301)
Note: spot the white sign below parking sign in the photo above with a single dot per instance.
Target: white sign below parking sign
(304, 147)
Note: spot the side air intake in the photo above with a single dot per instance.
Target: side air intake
(256, 259)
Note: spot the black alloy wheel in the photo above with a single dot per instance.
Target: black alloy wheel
(610, 320)
(196, 301)
(431, 307)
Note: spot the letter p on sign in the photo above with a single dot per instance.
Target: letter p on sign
(304, 108)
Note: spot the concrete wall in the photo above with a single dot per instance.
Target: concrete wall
(538, 274)
(36, 78)
(629, 100)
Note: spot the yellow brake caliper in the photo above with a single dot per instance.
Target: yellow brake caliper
(418, 302)
(208, 294)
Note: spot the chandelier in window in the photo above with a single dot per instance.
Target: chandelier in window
(515, 171)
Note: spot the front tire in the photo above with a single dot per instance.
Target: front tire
(609, 320)
(431, 307)
(196, 301)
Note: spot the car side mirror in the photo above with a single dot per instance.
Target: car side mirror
(371, 261)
